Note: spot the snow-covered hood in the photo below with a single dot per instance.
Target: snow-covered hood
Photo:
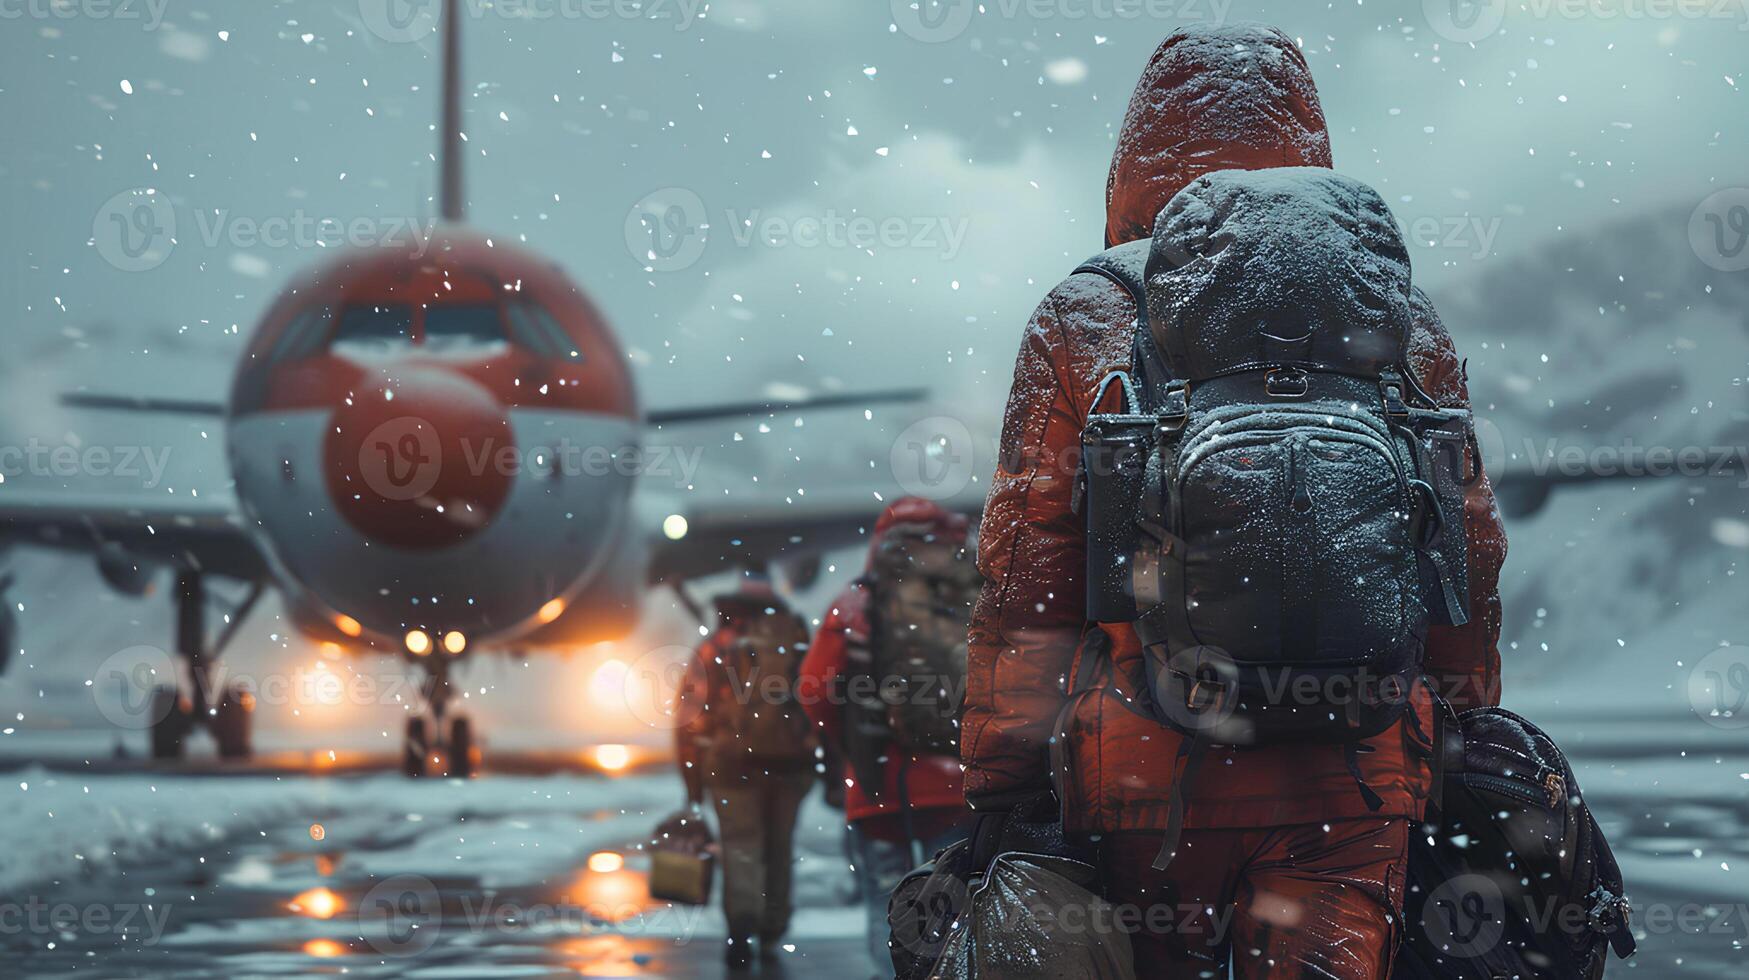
(1235, 97)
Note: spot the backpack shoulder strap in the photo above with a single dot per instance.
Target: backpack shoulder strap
(1126, 265)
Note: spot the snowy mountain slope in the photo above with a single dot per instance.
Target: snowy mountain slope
(1614, 339)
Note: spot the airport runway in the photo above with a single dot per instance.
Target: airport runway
(528, 874)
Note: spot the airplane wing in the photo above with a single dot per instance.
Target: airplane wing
(130, 403)
(1524, 490)
(700, 540)
(707, 413)
(206, 533)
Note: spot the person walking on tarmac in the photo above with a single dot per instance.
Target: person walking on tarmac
(883, 682)
(749, 748)
(1274, 858)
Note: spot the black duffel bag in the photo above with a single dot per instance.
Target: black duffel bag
(1517, 881)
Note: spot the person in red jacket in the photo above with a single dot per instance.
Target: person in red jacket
(888, 837)
(1285, 869)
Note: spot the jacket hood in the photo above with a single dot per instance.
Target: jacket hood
(1234, 97)
(918, 510)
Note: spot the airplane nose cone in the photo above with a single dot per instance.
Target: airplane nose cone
(411, 459)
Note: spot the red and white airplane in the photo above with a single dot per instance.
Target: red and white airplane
(388, 431)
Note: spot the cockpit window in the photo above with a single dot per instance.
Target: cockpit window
(303, 336)
(533, 327)
(374, 326)
(463, 326)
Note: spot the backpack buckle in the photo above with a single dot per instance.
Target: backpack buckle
(1287, 382)
(1176, 411)
(1395, 406)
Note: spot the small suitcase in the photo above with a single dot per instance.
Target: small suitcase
(683, 860)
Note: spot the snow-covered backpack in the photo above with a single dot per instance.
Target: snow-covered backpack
(909, 671)
(1277, 506)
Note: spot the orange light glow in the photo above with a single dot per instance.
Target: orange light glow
(348, 625)
(317, 903)
(605, 862)
(418, 642)
(325, 949)
(331, 650)
(455, 642)
(613, 758)
(551, 611)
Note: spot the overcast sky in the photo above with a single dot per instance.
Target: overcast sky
(986, 140)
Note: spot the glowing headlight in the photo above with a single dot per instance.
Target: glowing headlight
(674, 526)
(418, 642)
(455, 642)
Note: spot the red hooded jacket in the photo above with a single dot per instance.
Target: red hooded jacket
(935, 782)
(1211, 98)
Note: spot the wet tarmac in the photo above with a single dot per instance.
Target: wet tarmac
(529, 875)
(502, 876)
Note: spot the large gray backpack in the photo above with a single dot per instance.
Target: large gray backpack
(1276, 505)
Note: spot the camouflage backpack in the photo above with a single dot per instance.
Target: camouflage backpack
(908, 673)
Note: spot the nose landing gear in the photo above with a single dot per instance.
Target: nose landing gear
(439, 744)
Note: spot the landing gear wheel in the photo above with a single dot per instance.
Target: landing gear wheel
(416, 749)
(461, 749)
(231, 725)
(171, 722)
